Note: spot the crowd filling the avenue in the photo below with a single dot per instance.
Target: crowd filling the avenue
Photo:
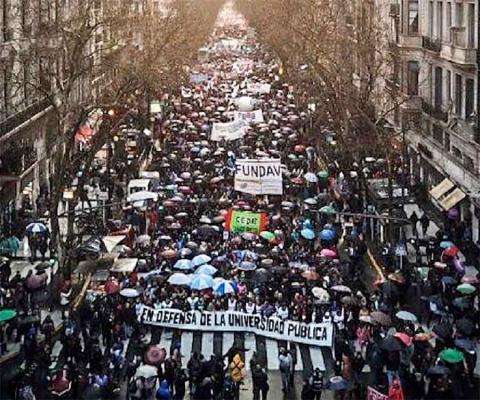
(241, 228)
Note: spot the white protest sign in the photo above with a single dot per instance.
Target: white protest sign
(258, 88)
(254, 117)
(259, 176)
(228, 130)
(313, 334)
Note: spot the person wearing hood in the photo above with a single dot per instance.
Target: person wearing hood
(164, 392)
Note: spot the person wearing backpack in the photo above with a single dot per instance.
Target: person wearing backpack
(316, 383)
(285, 361)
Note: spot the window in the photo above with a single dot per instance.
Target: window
(438, 133)
(448, 88)
(471, 25)
(469, 165)
(469, 97)
(412, 78)
(456, 152)
(5, 20)
(439, 20)
(459, 15)
(458, 94)
(446, 141)
(438, 88)
(449, 21)
(413, 16)
(430, 19)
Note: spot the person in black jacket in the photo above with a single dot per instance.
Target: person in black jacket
(260, 383)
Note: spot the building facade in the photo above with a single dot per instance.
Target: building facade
(435, 73)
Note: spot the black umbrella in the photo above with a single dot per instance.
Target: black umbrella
(207, 231)
(465, 326)
(443, 330)
(262, 275)
(390, 290)
(465, 344)
(461, 303)
(390, 344)
(438, 370)
(279, 270)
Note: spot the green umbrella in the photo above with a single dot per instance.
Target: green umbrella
(323, 174)
(267, 235)
(7, 314)
(466, 288)
(328, 210)
(452, 356)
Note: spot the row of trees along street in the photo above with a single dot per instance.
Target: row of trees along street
(339, 54)
(137, 54)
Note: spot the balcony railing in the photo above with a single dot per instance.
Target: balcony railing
(432, 44)
(23, 116)
(434, 112)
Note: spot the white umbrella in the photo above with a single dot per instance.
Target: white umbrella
(311, 177)
(179, 279)
(129, 292)
(147, 371)
(36, 227)
(321, 294)
(142, 195)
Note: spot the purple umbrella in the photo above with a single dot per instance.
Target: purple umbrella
(453, 213)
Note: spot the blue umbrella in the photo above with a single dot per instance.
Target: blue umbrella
(184, 265)
(465, 344)
(247, 266)
(308, 234)
(446, 244)
(201, 259)
(327, 234)
(201, 282)
(206, 269)
(224, 288)
(36, 227)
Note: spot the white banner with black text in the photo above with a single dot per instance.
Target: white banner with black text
(232, 321)
(259, 176)
(254, 117)
(228, 130)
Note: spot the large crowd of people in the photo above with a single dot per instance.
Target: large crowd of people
(307, 266)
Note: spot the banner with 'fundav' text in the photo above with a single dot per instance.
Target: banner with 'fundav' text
(259, 176)
(254, 117)
(232, 321)
(228, 130)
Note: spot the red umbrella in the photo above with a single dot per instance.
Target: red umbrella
(299, 148)
(61, 384)
(451, 251)
(310, 275)
(155, 355)
(112, 286)
(35, 281)
(404, 338)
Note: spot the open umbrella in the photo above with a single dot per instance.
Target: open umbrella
(466, 288)
(310, 275)
(349, 300)
(445, 244)
(279, 270)
(322, 174)
(129, 292)
(451, 251)
(328, 253)
(185, 252)
(112, 286)
(443, 330)
(439, 370)
(308, 234)
(390, 343)
(184, 265)
(225, 287)
(169, 253)
(466, 344)
(311, 177)
(327, 234)
(154, 355)
(36, 227)
(341, 289)
(7, 314)
(406, 316)
(452, 356)
(337, 383)
(465, 326)
(390, 290)
(404, 338)
(267, 235)
(202, 282)
(207, 230)
(321, 294)
(146, 371)
(396, 277)
(247, 266)
(381, 318)
(179, 279)
(328, 210)
(201, 259)
(206, 269)
(262, 275)
(310, 201)
(250, 236)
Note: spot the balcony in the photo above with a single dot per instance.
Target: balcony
(411, 103)
(432, 44)
(434, 112)
(458, 51)
(23, 116)
(411, 41)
